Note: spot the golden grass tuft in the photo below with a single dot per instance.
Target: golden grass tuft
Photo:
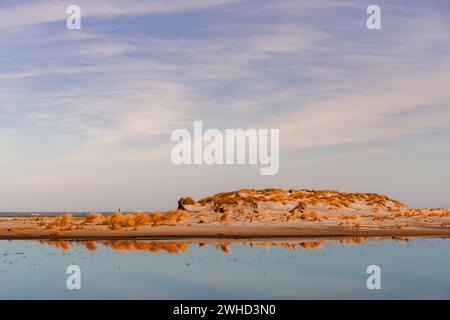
(61, 221)
(92, 217)
(118, 220)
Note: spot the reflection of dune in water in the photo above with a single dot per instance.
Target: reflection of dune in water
(222, 246)
(355, 240)
(153, 246)
(61, 244)
(122, 245)
(90, 245)
(176, 247)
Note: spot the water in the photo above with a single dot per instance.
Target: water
(418, 268)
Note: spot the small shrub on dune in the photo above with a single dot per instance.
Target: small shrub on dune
(268, 192)
(278, 199)
(334, 203)
(412, 213)
(63, 220)
(439, 213)
(312, 216)
(349, 216)
(381, 217)
(249, 191)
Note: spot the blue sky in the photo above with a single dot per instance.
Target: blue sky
(86, 115)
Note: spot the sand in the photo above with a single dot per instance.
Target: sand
(19, 229)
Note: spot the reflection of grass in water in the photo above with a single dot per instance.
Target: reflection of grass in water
(177, 247)
(90, 245)
(354, 240)
(223, 246)
(122, 245)
(401, 239)
(61, 244)
(311, 245)
(170, 247)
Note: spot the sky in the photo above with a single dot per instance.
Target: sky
(86, 115)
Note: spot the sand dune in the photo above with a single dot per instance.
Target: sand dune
(246, 213)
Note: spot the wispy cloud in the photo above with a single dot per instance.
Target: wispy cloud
(103, 100)
(47, 11)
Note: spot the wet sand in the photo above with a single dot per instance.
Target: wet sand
(10, 230)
